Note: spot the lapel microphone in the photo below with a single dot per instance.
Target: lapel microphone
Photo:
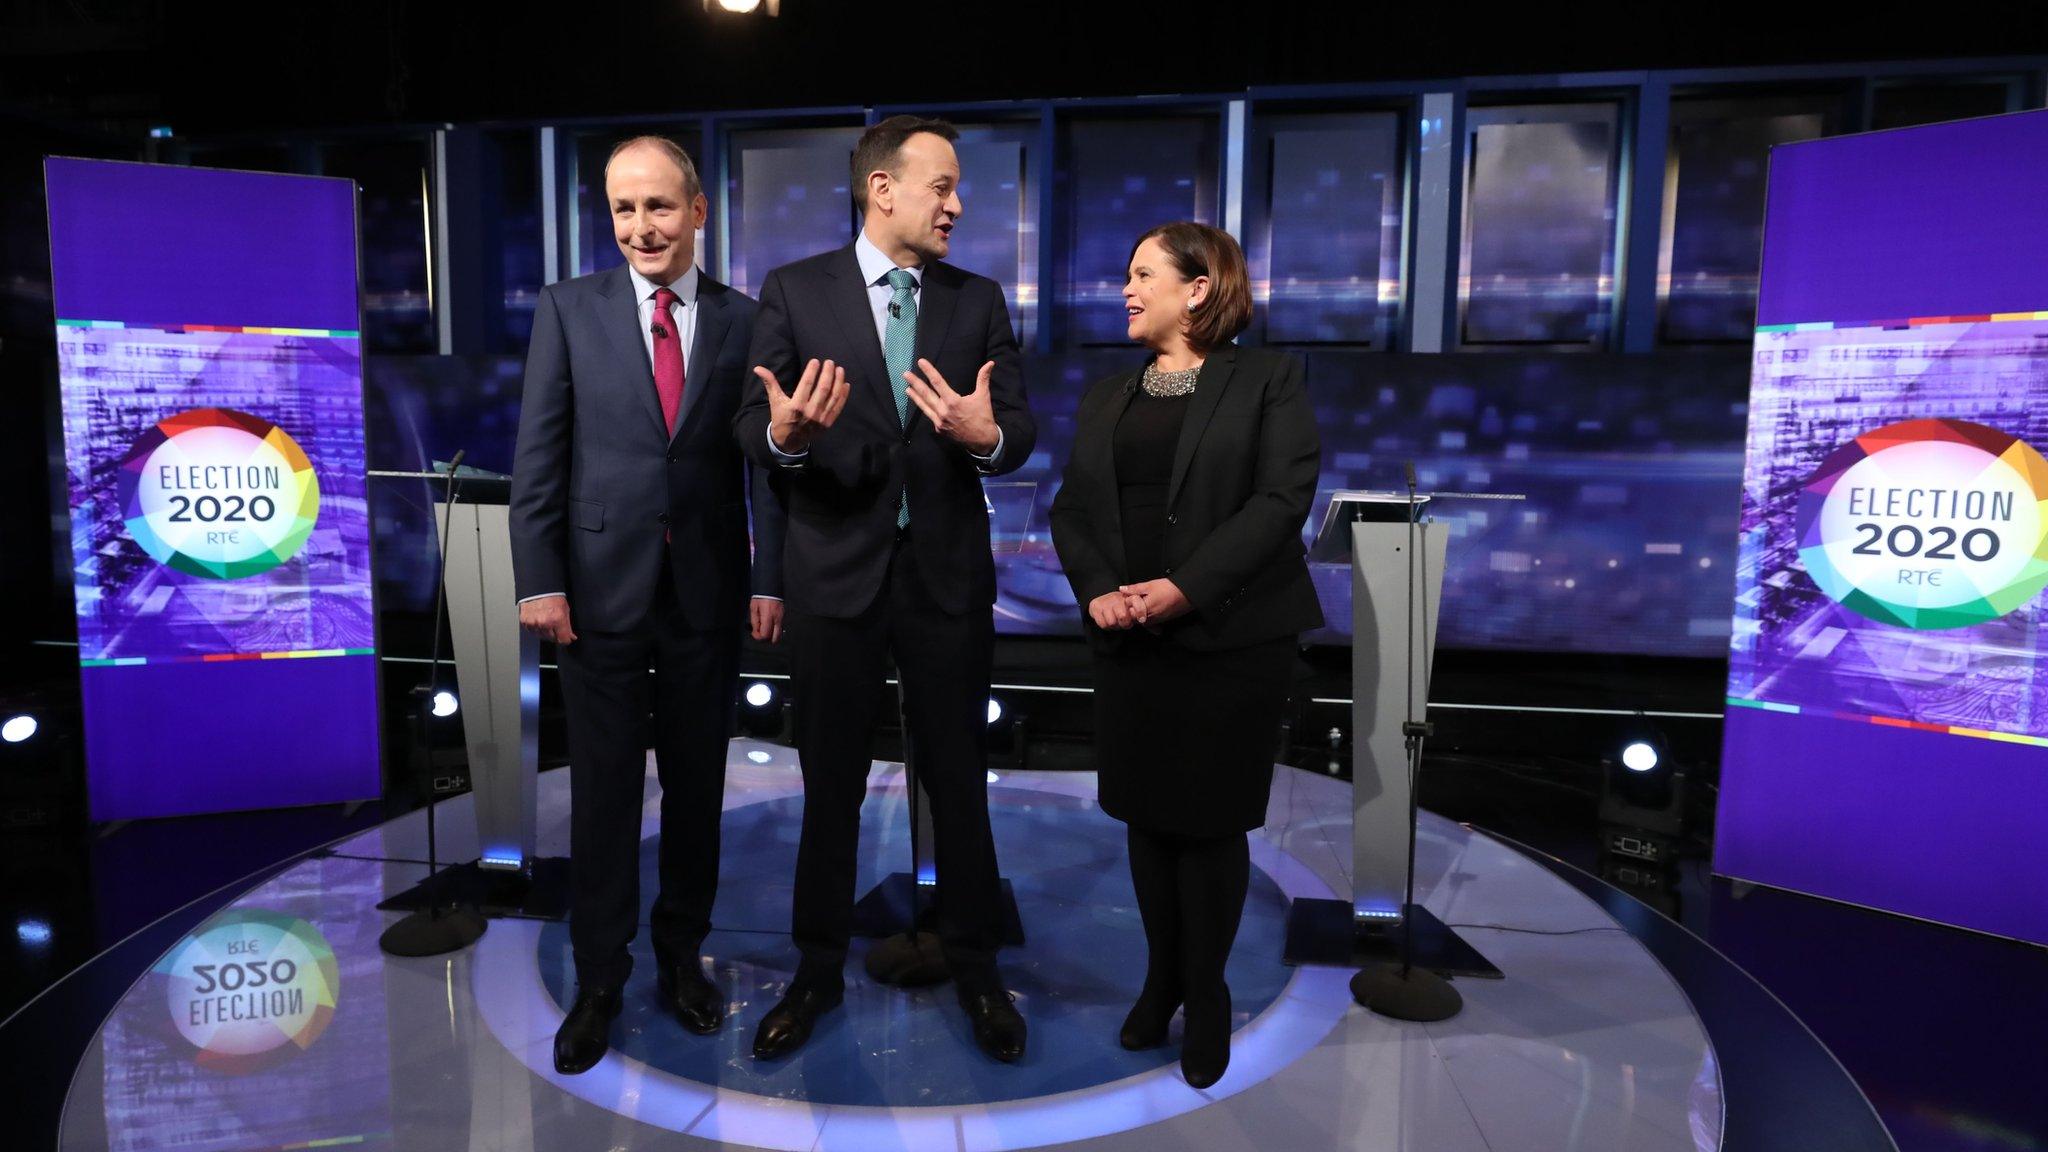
(895, 311)
(660, 333)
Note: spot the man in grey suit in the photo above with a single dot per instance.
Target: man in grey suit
(629, 509)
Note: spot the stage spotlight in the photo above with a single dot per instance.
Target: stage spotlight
(744, 7)
(18, 728)
(995, 711)
(756, 756)
(1640, 756)
(32, 932)
(444, 704)
(1642, 796)
(764, 714)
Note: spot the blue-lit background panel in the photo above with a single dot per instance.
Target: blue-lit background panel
(1117, 180)
(1538, 264)
(1325, 247)
(1720, 153)
(1631, 467)
(420, 409)
(391, 184)
(997, 234)
(788, 196)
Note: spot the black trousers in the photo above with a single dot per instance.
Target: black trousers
(608, 695)
(1191, 892)
(838, 667)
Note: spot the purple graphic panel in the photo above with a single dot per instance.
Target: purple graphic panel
(1941, 220)
(211, 368)
(130, 242)
(1887, 728)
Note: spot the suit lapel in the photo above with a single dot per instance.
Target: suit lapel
(1216, 372)
(712, 323)
(619, 316)
(849, 295)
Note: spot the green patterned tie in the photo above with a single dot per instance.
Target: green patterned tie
(899, 347)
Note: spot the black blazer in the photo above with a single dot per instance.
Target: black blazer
(842, 500)
(597, 480)
(1244, 476)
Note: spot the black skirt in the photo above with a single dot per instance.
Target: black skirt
(1185, 740)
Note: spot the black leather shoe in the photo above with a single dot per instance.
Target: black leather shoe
(789, 1023)
(1205, 1040)
(585, 1033)
(693, 999)
(998, 1026)
(1145, 1027)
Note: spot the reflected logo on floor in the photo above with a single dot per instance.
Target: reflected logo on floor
(250, 989)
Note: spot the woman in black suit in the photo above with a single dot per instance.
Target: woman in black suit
(1178, 522)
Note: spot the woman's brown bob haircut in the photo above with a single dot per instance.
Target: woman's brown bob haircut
(1199, 250)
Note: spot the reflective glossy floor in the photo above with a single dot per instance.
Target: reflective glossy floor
(278, 1023)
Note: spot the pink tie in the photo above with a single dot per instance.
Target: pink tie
(668, 358)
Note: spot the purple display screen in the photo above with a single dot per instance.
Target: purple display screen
(1887, 721)
(210, 356)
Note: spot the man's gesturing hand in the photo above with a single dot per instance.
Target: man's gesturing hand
(795, 418)
(966, 420)
(548, 618)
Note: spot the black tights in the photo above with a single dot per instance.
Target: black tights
(1191, 892)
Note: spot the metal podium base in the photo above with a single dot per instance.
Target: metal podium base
(885, 910)
(1322, 932)
(539, 893)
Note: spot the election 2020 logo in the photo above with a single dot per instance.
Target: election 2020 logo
(1928, 524)
(218, 493)
(251, 988)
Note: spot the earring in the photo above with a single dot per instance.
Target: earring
(1191, 305)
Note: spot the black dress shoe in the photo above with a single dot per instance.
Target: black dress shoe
(1205, 1040)
(998, 1026)
(585, 1033)
(693, 999)
(789, 1023)
(1145, 1027)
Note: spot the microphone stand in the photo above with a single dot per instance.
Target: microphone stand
(430, 930)
(1403, 991)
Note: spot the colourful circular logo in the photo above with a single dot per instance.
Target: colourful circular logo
(251, 988)
(219, 493)
(1928, 524)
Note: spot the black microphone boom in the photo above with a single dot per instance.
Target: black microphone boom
(434, 928)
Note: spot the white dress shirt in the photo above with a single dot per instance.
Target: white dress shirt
(874, 269)
(682, 314)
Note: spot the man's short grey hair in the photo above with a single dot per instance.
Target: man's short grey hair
(692, 188)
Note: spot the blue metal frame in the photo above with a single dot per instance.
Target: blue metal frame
(1646, 125)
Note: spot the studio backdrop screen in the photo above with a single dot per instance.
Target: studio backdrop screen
(210, 356)
(1887, 728)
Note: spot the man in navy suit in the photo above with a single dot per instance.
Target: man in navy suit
(629, 510)
(888, 386)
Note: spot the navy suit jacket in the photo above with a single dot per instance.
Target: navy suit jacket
(598, 482)
(842, 500)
